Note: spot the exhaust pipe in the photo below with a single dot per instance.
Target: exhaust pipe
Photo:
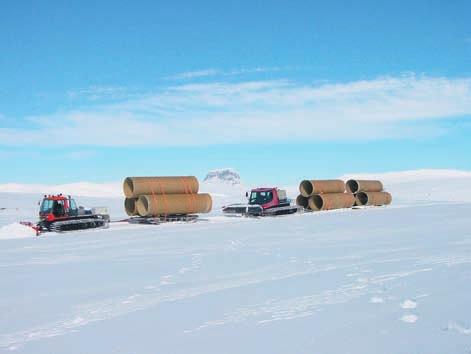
(302, 201)
(311, 187)
(133, 187)
(359, 185)
(156, 205)
(130, 206)
(373, 198)
(331, 201)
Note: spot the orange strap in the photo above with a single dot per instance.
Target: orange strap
(187, 200)
(153, 194)
(154, 197)
(327, 205)
(164, 196)
(191, 200)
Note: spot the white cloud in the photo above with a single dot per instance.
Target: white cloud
(194, 74)
(80, 154)
(95, 93)
(215, 72)
(259, 111)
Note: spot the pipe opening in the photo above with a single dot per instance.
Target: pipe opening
(142, 206)
(306, 188)
(302, 201)
(352, 186)
(317, 202)
(128, 187)
(130, 206)
(362, 198)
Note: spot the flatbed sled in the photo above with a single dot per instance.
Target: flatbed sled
(263, 202)
(157, 220)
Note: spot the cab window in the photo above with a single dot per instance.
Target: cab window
(260, 197)
(73, 205)
(58, 207)
(46, 206)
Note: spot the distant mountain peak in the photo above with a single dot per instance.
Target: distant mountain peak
(223, 175)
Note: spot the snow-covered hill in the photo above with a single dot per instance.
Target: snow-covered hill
(424, 185)
(225, 187)
(226, 184)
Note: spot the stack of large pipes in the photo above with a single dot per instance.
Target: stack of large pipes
(368, 192)
(162, 196)
(324, 195)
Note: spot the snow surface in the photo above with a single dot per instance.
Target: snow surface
(16, 230)
(391, 279)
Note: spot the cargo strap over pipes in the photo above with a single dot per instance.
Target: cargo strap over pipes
(311, 187)
(373, 198)
(331, 201)
(358, 185)
(133, 187)
(130, 206)
(156, 205)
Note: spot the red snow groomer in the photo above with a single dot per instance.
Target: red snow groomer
(60, 213)
(263, 202)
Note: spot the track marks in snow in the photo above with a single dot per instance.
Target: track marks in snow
(303, 306)
(286, 309)
(269, 311)
(166, 279)
(409, 304)
(194, 265)
(119, 306)
(377, 300)
(130, 299)
(409, 318)
(459, 327)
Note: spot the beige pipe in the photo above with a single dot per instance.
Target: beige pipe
(302, 201)
(130, 206)
(373, 198)
(362, 185)
(154, 205)
(311, 187)
(329, 201)
(133, 187)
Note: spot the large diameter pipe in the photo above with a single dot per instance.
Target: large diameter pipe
(302, 201)
(329, 201)
(130, 206)
(154, 205)
(133, 187)
(311, 187)
(363, 185)
(373, 198)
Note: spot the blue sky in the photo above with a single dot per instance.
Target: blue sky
(280, 91)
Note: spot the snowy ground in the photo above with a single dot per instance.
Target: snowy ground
(378, 280)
